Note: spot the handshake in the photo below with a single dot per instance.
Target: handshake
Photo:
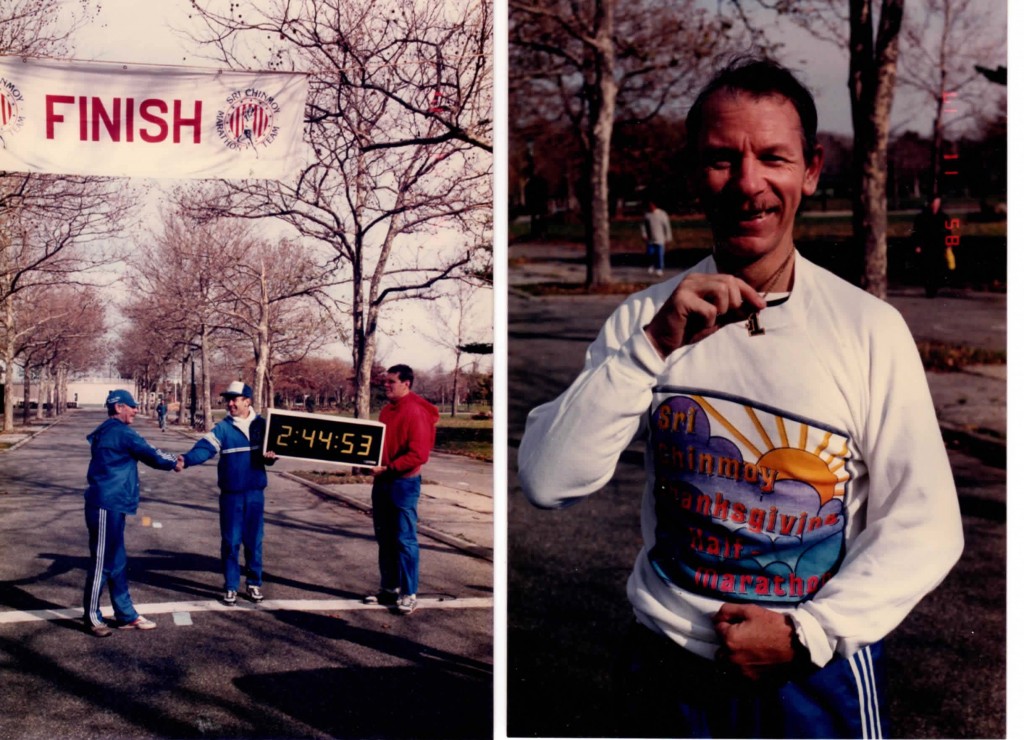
(179, 465)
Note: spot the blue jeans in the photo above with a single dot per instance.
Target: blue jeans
(241, 523)
(657, 254)
(108, 564)
(394, 526)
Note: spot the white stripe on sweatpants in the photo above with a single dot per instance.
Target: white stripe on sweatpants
(863, 667)
(97, 573)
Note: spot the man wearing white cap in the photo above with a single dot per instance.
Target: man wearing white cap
(241, 477)
(113, 493)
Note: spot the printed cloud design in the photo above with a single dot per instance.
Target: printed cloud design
(766, 527)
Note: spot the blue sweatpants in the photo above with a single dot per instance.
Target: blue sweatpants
(108, 565)
(241, 524)
(670, 692)
(394, 525)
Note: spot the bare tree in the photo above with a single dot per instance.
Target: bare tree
(945, 40)
(267, 294)
(399, 128)
(592, 58)
(53, 231)
(204, 286)
(872, 83)
(55, 338)
(455, 325)
(178, 271)
(42, 27)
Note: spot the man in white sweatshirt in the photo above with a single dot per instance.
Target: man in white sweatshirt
(799, 500)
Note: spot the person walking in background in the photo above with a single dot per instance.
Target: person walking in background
(113, 494)
(657, 231)
(409, 435)
(931, 227)
(241, 478)
(161, 414)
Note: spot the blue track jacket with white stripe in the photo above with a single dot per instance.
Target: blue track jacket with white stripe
(113, 470)
(242, 466)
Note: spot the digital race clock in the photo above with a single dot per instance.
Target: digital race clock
(332, 439)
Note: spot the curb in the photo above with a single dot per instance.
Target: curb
(989, 449)
(477, 551)
(36, 433)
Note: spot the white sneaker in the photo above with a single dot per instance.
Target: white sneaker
(406, 603)
(140, 623)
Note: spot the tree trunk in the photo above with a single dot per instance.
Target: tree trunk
(455, 384)
(262, 342)
(205, 371)
(44, 394)
(602, 121)
(872, 82)
(62, 390)
(8, 360)
(361, 354)
(26, 393)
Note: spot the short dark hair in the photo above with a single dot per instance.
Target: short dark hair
(404, 373)
(759, 78)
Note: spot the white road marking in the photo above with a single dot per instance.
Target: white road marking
(294, 605)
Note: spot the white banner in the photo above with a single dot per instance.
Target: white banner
(134, 120)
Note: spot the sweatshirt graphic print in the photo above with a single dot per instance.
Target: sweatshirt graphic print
(749, 503)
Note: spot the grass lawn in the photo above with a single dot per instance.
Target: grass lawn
(692, 232)
(459, 435)
(462, 435)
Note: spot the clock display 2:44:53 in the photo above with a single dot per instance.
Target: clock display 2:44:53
(325, 438)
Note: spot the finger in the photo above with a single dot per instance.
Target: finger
(751, 296)
(730, 613)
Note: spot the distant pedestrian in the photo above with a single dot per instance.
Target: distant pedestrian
(113, 493)
(161, 415)
(657, 231)
(242, 478)
(931, 227)
(408, 438)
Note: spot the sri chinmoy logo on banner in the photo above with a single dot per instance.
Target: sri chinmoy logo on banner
(11, 107)
(248, 120)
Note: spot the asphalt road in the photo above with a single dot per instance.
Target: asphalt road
(310, 661)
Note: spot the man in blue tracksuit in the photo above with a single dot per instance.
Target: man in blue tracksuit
(241, 477)
(113, 493)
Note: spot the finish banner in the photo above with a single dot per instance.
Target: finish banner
(136, 120)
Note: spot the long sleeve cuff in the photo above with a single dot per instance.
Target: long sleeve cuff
(813, 637)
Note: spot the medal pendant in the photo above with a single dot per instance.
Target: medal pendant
(754, 328)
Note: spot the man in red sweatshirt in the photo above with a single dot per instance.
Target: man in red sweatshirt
(408, 439)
